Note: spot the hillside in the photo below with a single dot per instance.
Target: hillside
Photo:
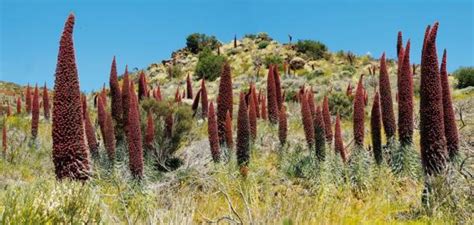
(284, 184)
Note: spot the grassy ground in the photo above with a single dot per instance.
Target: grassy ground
(280, 189)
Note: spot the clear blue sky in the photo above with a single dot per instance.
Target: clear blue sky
(142, 32)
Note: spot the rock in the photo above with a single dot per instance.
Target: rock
(297, 63)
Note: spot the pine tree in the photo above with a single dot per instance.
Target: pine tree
(70, 155)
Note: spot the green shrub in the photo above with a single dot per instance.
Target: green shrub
(209, 65)
(197, 42)
(264, 36)
(313, 49)
(263, 44)
(465, 76)
(272, 60)
(340, 102)
(250, 36)
(314, 74)
(175, 71)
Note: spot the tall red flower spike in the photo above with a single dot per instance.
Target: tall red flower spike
(312, 106)
(319, 134)
(358, 117)
(189, 88)
(150, 131)
(46, 106)
(375, 129)
(243, 133)
(399, 42)
(134, 137)
(272, 102)
(195, 104)
(276, 74)
(338, 142)
(18, 105)
(386, 103)
(405, 99)
(450, 129)
(224, 100)
(70, 155)
(204, 99)
(282, 125)
(109, 138)
(255, 100)
(252, 118)
(89, 128)
(169, 126)
(116, 94)
(327, 119)
(28, 99)
(228, 131)
(213, 136)
(125, 98)
(101, 114)
(307, 120)
(142, 86)
(432, 135)
(35, 114)
(158, 96)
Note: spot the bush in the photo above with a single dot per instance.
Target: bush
(313, 49)
(209, 65)
(340, 102)
(197, 42)
(175, 71)
(250, 36)
(465, 76)
(263, 44)
(272, 60)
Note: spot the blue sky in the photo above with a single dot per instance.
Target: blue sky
(143, 32)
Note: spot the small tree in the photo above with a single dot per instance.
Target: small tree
(313, 49)
(196, 42)
(209, 65)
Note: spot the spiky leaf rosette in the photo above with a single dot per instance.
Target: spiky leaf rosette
(28, 99)
(212, 132)
(204, 99)
(150, 131)
(358, 117)
(189, 88)
(35, 114)
(116, 94)
(450, 129)
(252, 118)
(134, 137)
(307, 121)
(405, 100)
(70, 155)
(327, 120)
(90, 130)
(338, 142)
(432, 136)
(46, 106)
(375, 129)
(125, 98)
(228, 131)
(272, 97)
(243, 133)
(399, 42)
(109, 138)
(18, 105)
(142, 86)
(276, 74)
(282, 125)
(263, 112)
(224, 100)
(386, 103)
(319, 134)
